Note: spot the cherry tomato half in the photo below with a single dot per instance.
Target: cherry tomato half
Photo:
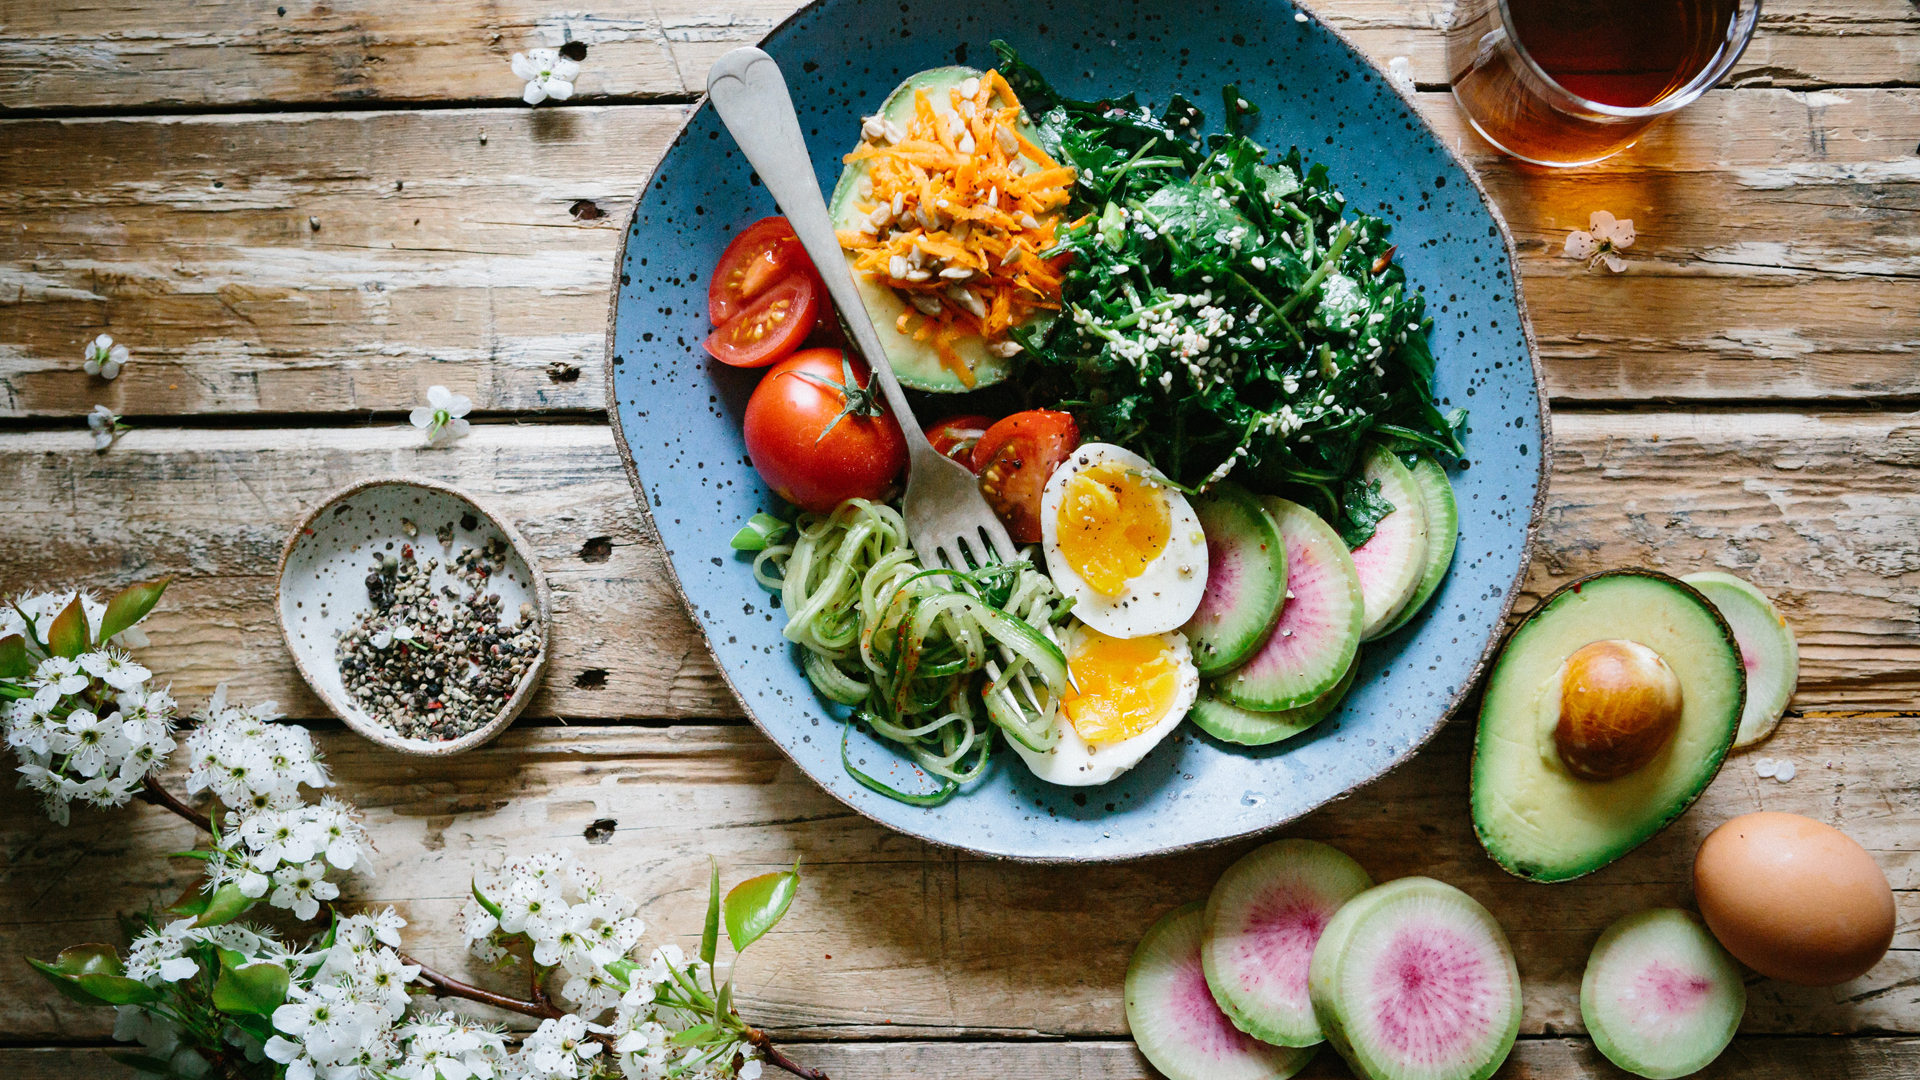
(770, 327)
(1014, 458)
(764, 253)
(956, 436)
(813, 434)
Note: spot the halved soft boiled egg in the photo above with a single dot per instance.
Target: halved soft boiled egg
(1126, 695)
(1127, 548)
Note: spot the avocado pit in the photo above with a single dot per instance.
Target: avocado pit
(1617, 703)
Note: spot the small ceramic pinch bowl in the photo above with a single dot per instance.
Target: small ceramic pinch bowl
(323, 587)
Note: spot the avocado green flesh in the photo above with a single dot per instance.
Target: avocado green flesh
(915, 363)
(1539, 821)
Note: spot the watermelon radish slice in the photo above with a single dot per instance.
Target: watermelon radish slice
(1767, 649)
(1391, 562)
(1231, 723)
(1413, 980)
(1246, 579)
(1443, 530)
(1263, 919)
(1174, 1020)
(1318, 634)
(1661, 997)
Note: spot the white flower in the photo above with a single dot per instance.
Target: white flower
(592, 992)
(441, 416)
(1602, 241)
(557, 1046)
(180, 967)
(301, 888)
(104, 358)
(104, 425)
(91, 742)
(1400, 70)
(548, 75)
(115, 668)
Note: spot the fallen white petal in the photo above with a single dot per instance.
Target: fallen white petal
(1581, 245)
(1766, 766)
(1785, 772)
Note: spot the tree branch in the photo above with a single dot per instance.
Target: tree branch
(161, 797)
(445, 985)
(763, 1042)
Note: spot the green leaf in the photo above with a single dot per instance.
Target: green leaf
(68, 635)
(489, 906)
(15, 661)
(224, 905)
(710, 936)
(696, 1035)
(65, 983)
(118, 989)
(723, 1004)
(91, 975)
(130, 605)
(260, 1027)
(622, 972)
(756, 904)
(249, 989)
(760, 531)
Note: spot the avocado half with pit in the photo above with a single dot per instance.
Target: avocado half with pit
(1609, 710)
(915, 363)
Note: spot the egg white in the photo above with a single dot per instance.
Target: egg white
(1165, 594)
(1074, 762)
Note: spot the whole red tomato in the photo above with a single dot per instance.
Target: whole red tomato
(819, 436)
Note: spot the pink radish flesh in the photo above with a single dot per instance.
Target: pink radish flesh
(1272, 958)
(1207, 1027)
(1307, 621)
(1434, 996)
(1224, 571)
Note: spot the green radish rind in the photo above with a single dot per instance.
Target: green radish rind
(1292, 669)
(915, 363)
(1174, 1020)
(1231, 723)
(1406, 903)
(1767, 650)
(1263, 919)
(1443, 533)
(1391, 563)
(1663, 958)
(1242, 540)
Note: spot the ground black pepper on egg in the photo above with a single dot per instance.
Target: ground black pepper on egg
(459, 667)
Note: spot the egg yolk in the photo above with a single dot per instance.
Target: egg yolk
(1124, 686)
(1112, 524)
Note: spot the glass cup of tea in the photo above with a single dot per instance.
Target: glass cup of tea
(1572, 82)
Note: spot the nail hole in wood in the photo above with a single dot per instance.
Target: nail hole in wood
(598, 549)
(600, 831)
(591, 679)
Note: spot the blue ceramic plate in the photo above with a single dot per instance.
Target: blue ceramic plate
(677, 413)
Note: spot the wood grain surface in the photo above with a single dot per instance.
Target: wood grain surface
(1891, 1058)
(1817, 509)
(291, 281)
(343, 262)
(143, 54)
(897, 938)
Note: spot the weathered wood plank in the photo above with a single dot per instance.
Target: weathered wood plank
(131, 54)
(1863, 1058)
(443, 258)
(1817, 510)
(891, 937)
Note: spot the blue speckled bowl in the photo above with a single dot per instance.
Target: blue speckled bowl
(677, 413)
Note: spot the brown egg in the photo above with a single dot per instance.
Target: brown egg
(1794, 899)
(1619, 704)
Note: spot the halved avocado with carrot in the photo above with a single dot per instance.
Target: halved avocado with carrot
(1609, 709)
(933, 348)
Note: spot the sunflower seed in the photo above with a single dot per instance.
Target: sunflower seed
(1004, 348)
(956, 273)
(1008, 144)
(897, 267)
(928, 305)
(969, 87)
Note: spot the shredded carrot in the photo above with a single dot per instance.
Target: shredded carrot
(981, 209)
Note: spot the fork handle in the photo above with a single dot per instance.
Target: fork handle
(748, 91)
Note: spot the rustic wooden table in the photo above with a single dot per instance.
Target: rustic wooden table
(300, 218)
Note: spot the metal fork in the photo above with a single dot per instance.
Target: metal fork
(947, 517)
(948, 520)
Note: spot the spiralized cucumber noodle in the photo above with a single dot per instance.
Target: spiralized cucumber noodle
(924, 656)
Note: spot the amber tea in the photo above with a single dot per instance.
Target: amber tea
(1569, 82)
